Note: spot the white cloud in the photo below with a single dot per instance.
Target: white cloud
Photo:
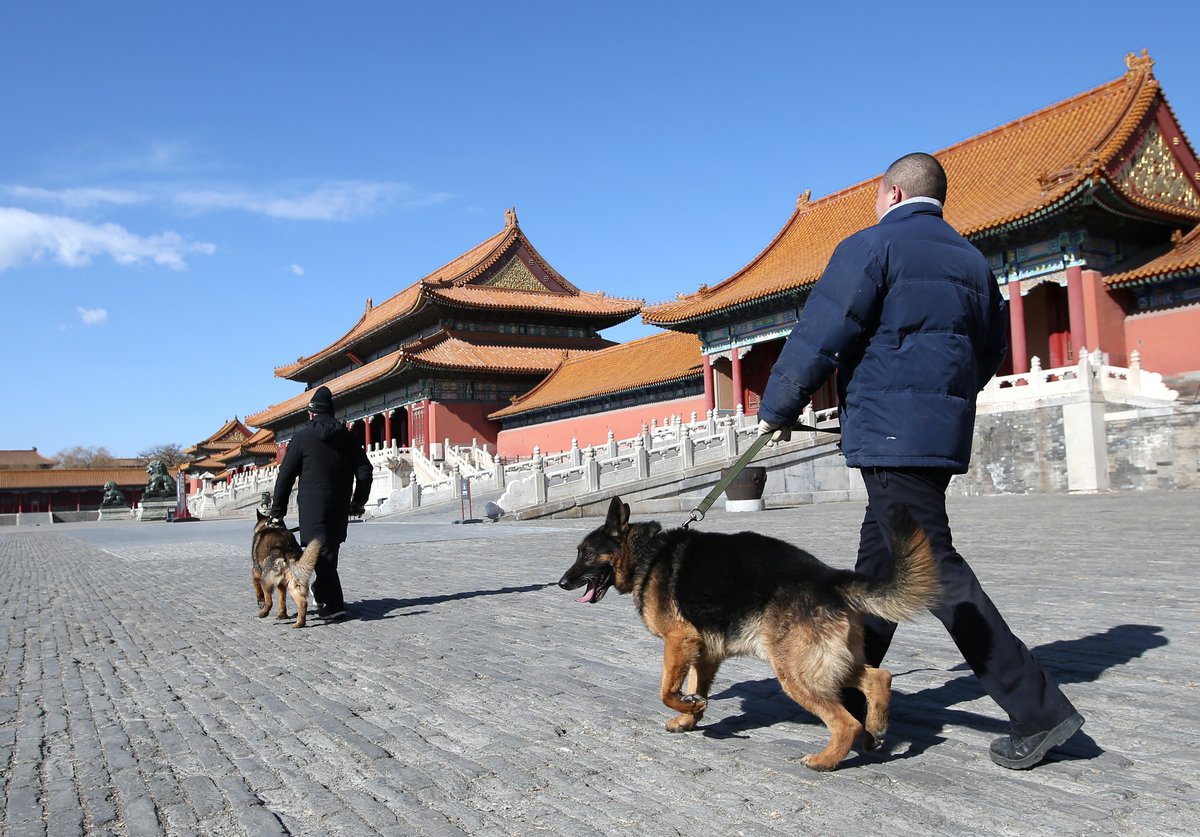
(92, 316)
(332, 202)
(27, 236)
(297, 269)
(77, 198)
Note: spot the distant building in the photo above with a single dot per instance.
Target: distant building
(28, 460)
(65, 489)
(617, 390)
(205, 455)
(434, 360)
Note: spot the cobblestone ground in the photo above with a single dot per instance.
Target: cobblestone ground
(140, 695)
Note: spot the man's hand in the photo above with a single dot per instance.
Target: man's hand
(777, 432)
(276, 521)
(358, 511)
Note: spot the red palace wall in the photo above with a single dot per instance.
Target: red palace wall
(462, 421)
(1169, 341)
(626, 423)
(1104, 319)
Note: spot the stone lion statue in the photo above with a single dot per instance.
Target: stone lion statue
(113, 495)
(160, 482)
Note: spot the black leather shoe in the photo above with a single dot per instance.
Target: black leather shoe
(1019, 752)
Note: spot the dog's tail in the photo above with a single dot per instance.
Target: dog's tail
(301, 571)
(913, 585)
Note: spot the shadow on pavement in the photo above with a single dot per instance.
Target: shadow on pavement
(369, 609)
(917, 718)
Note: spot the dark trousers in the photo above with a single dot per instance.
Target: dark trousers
(327, 585)
(1005, 668)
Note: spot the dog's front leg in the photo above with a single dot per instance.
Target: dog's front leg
(681, 652)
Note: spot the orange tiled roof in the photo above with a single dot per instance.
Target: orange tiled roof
(231, 434)
(640, 363)
(449, 284)
(997, 177)
(443, 352)
(261, 443)
(24, 459)
(199, 466)
(1183, 257)
(40, 479)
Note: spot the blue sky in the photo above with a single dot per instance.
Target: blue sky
(194, 194)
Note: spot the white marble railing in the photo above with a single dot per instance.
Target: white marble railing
(1132, 385)
(677, 447)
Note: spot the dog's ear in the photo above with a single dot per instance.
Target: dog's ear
(618, 516)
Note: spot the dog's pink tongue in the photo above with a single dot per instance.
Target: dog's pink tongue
(587, 596)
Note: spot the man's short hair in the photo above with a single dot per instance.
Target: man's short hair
(919, 175)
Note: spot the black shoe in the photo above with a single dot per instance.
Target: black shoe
(1019, 752)
(331, 614)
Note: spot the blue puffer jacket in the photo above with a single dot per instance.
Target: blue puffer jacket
(910, 317)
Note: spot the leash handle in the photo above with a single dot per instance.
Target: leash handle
(698, 513)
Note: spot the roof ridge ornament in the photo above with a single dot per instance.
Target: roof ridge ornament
(1139, 64)
(510, 217)
(370, 305)
(804, 199)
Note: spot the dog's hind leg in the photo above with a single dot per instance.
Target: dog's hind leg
(282, 613)
(843, 727)
(876, 684)
(300, 597)
(266, 600)
(256, 581)
(812, 662)
(681, 654)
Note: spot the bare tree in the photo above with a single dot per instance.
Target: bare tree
(170, 454)
(84, 456)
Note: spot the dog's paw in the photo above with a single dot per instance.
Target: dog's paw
(813, 761)
(264, 612)
(682, 723)
(874, 740)
(696, 703)
(282, 616)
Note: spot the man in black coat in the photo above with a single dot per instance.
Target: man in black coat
(910, 317)
(335, 481)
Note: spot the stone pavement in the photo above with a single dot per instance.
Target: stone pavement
(139, 695)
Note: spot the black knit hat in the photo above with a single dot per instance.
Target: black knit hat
(322, 402)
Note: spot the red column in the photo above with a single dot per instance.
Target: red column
(1018, 347)
(710, 401)
(367, 431)
(387, 428)
(1075, 311)
(735, 358)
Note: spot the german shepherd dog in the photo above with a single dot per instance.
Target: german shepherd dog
(711, 596)
(278, 563)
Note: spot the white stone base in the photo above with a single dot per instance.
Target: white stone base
(116, 513)
(155, 510)
(744, 505)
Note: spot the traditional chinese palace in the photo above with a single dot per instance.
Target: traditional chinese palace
(434, 360)
(1088, 211)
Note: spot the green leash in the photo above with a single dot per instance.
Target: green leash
(743, 460)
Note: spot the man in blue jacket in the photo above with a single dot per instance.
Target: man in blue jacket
(909, 316)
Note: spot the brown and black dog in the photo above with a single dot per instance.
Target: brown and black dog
(711, 596)
(278, 563)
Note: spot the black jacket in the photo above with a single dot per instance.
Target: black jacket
(910, 316)
(331, 464)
